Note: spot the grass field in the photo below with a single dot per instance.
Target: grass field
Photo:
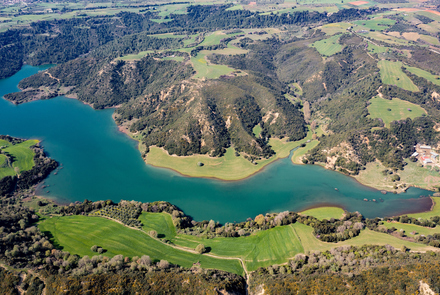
(138, 56)
(329, 46)
(175, 58)
(435, 211)
(386, 38)
(366, 237)
(228, 167)
(236, 7)
(77, 234)
(424, 74)
(399, 110)
(325, 213)
(297, 154)
(410, 228)
(376, 49)
(23, 157)
(274, 246)
(377, 24)
(331, 29)
(257, 130)
(206, 70)
(422, 177)
(391, 73)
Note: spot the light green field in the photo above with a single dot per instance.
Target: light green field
(23, 157)
(236, 7)
(423, 177)
(257, 130)
(325, 213)
(329, 46)
(228, 167)
(297, 154)
(264, 248)
(167, 35)
(424, 74)
(215, 37)
(372, 176)
(386, 38)
(410, 228)
(161, 20)
(175, 58)
(331, 29)
(399, 110)
(430, 39)
(207, 70)
(138, 56)
(377, 24)
(391, 73)
(366, 237)
(166, 10)
(77, 234)
(435, 211)
(160, 222)
(376, 49)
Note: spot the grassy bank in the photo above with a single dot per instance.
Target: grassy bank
(325, 212)
(228, 167)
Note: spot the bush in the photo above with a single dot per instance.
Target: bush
(200, 248)
(94, 248)
(153, 234)
(100, 250)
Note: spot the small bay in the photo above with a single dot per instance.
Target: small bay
(99, 163)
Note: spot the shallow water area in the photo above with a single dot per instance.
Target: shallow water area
(99, 162)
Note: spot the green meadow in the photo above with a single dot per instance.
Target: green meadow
(77, 234)
(377, 24)
(391, 73)
(393, 110)
(325, 213)
(23, 157)
(411, 230)
(228, 167)
(332, 29)
(435, 79)
(206, 70)
(329, 46)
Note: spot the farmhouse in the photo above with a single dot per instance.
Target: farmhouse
(426, 155)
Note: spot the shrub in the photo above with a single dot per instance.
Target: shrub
(200, 248)
(153, 234)
(94, 248)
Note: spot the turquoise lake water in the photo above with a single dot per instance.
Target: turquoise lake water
(100, 163)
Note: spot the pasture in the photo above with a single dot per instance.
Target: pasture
(22, 157)
(257, 130)
(366, 237)
(77, 234)
(435, 79)
(411, 230)
(206, 70)
(228, 167)
(391, 73)
(329, 46)
(332, 29)
(324, 212)
(376, 24)
(377, 49)
(393, 110)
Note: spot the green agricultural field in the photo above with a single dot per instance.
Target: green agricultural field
(393, 110)
(391, 73)
(325, 213)
(257, 130)
(138, 56)
(424, 74)
(332, 29)
(377, 49)
(162, 223)
(377, 24)
(215, 37)
(329, 46)
(411, 228)
(435, 211)
(264, 248)
(228, 167)
(175, 58)
(77, 234)
(206, 70)
(236, 7)
(366, 237)
(298, 153)
(23, 157)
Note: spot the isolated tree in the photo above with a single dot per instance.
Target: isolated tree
(200, 248)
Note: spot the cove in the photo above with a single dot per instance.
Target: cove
(101, 163)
